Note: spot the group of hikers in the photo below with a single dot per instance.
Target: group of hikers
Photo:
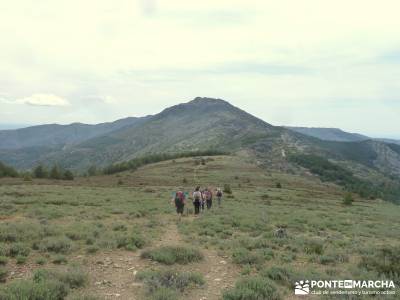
(201, 198)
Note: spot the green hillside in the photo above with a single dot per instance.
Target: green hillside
(118, 235)
(206, 124)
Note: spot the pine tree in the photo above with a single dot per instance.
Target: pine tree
(55, 172)
(68, 175)
(40, 172)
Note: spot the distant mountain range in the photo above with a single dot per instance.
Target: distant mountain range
(338, 135)
(201, 124)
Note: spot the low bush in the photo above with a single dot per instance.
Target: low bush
(385, 261)
(171, 279)
(73, 277)
(40, 261)
(130, 242)
(56, 245)
(59, 259)
(253, 288)
(348, 199)
(3, 260)
(18, 249)
(173, 254)
(164, 294)
(279, 274)
(26, 289)
(45, 285)
(120, 227)
(227, 189)
(314, 246)
(243, 256)
(92, 249)
(3, 274)
(82, 296)
(20, 259)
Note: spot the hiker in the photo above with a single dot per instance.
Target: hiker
(180, 200)
(219, 196)
(197, 199)
(209, 196)
(203, 200)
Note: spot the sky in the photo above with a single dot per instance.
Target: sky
(300, 63)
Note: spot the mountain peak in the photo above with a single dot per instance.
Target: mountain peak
(207, 100)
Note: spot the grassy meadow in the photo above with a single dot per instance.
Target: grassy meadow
(118, 237)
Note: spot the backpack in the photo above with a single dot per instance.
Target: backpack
(179, 198)
(219, 194)
(197, 196)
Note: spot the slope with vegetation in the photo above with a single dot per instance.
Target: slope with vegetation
(215, 126)
(123, 232)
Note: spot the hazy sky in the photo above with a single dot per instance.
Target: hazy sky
(305, 62)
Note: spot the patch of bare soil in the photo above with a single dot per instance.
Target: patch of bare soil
(112, 275)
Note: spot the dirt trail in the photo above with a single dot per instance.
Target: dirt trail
(218, 273)
(112, 274)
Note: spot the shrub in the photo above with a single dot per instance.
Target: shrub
(45, 285)
(314, 246)
(82, 296)
(56, 245)
(92, 249)
(18, 249)
(243, 256)
(27, 177)
(59, 259)
(120, 227)
(348, 199)
(40, 172)
(3, 260)
(164, 294)
(21, 259)
(131, 242)
(386, 261)
(227, 189)
(253, 288)
(40, 261)
(24, 289)
(278, 185)
(73, 278)
(55, 172)
(173, 254)
(6, 171)
(279, 274)
(3, 274)
(333, 258)
(68, 175)
(170, 279)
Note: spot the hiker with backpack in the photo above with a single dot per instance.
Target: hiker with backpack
(203, 200)
(219, 196)
(208, 196)
(197, 200)
(180, 200)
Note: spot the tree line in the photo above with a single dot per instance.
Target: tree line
(135, 163)
(328, 171)
(58, 173)
(40, 171)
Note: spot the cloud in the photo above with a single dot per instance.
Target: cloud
(43, 100)
(148, 7)
(107, 99)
